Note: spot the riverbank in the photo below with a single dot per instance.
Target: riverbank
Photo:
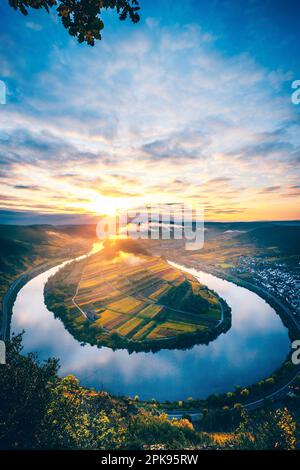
(20, 281)
(280, 308)
(276, 385)
(165, 374)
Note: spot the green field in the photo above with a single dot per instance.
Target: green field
(130, 293)
(137, 297)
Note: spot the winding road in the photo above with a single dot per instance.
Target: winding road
(7, 304)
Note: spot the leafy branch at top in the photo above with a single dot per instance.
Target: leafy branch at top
(82, 18)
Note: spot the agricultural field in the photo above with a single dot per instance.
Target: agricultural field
(138, 297)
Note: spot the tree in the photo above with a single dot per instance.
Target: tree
(245, 393)
(146, 430)
(25, 394)
(80, 418)
(82, 18)
(38, 410)
(267, 430)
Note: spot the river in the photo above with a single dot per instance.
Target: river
(253, 348)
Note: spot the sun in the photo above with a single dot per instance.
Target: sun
(102, 205)
(106, 205)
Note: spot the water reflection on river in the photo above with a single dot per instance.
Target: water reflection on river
(256, 344)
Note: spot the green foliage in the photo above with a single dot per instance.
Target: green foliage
(82, 18)
(221, 419)
(182, 297)
(78, 418)
(38, 410)
(267, 430)
(25, 394)
(147, 430)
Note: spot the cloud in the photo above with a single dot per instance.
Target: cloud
(270, 189)
(169, 118)
(27, 186)
(220, 180)
(34, 26)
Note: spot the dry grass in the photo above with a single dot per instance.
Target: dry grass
(150, 311)
(129, 326)
(126, 305)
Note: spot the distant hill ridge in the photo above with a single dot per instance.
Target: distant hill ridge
(285, 238)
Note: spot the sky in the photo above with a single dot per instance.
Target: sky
(191, 105)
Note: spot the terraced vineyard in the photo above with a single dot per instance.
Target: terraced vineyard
(136, 298)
